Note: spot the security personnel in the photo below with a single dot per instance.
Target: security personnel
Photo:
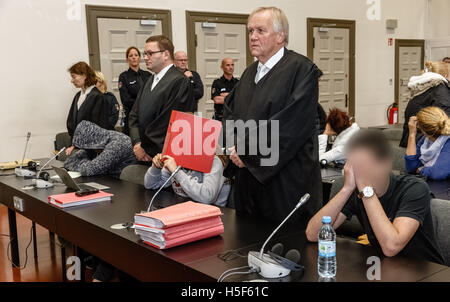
(222, 87)
(130, 82)
(181, 61)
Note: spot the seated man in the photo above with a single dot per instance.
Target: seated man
(393, 210)
(99, 151)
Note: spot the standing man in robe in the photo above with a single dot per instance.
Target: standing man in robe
(181, 61)
(280, 88)
(168, 89)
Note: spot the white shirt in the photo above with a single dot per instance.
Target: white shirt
(83, 96)
(160, 75)
(337, 152)
(263, 69)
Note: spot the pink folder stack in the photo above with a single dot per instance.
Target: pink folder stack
(178, 224)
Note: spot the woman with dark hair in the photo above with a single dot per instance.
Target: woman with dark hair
(89, 103)
(337, 124)
(130, 82)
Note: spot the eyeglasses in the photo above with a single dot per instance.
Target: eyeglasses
(151, 53)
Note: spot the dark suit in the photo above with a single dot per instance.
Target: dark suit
(151, 112)
(94, 109)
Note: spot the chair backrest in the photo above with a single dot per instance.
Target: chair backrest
(398, 162)
(134, 174)
(440, 210)
(336, 186)
(394, 133)
(62, 140)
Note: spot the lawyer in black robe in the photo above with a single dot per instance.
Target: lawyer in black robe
(151, 112)
(95, 109)
(287, 93)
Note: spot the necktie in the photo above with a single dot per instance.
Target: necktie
(260, 74)
(155, 82)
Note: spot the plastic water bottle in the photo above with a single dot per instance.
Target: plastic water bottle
(326, 262)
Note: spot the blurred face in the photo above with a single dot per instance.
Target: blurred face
(133, 58)
(264, 41)
(447, 61)
(155, 59)
(78, 80)
(228, 67)
(181, 61)
(365, 162)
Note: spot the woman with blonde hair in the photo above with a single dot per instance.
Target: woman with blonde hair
(431, 156)
(432, 88)
(113, 104)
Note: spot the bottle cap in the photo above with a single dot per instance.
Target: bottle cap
(326, 219)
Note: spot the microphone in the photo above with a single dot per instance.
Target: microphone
(49, 161)
(20, 171)
(263, 263)
(44, 182)
(302, 201)
(162, 187)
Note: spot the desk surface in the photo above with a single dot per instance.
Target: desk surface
(89, 228)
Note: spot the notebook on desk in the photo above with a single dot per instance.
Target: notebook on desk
(71, 200)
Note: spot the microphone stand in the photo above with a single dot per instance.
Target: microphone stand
(162, 187)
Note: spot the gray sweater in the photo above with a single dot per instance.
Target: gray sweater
(209, 188)
(115, 150)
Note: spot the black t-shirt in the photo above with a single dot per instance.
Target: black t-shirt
(407, 196)
(221, 85)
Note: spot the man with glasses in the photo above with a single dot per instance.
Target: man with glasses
(181, 61)
(166, 90)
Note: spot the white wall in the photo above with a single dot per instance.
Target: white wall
(39, 43)
(438, 27)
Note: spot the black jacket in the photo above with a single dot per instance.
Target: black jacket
(438, 96)
(197, 91)
(95, 108)
(130, 82)
(151, 112)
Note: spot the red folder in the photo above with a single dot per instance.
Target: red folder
(70, 199)
(180, 230)
(191, 140)
(178, 214)
(206, 233)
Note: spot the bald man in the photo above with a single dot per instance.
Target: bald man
(222, 87)
(181, 61)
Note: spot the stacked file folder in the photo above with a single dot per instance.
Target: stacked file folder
(178, 224)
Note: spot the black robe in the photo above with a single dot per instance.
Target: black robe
(287, 93)
(95, 109)
(151, 112)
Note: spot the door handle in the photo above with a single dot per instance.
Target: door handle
(346, 100)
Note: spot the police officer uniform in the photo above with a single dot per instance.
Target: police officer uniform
(130, 82)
